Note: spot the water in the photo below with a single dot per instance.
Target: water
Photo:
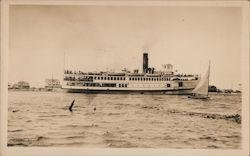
(123, 120)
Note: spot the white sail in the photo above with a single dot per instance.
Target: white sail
(202, 87)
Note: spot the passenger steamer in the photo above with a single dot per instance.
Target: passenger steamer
(165, 81)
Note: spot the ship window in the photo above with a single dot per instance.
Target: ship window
(114, 78)
(146, 79)
(124, 78)
(119, 85)
(125, 85)
(111, 78)
(168, 85)
(101, 78)
(180, 84)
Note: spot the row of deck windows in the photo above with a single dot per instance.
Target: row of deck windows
(149, 79)
(109, 78)
(114, 85)
(134, 78)
(123, 85)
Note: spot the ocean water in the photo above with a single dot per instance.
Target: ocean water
(123, 120)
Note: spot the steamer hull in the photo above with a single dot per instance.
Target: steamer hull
(166, 92)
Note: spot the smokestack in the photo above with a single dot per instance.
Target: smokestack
(145, 62)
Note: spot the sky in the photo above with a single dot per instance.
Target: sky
(97, 38)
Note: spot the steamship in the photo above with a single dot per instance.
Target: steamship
(165, 81)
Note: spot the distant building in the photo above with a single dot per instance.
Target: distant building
(52, 83)
(212, 89)
(21, 85)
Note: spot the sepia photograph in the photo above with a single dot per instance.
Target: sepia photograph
(125, 77)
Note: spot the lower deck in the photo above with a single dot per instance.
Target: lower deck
(167, 92)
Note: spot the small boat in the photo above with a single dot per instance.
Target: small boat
(201, 90)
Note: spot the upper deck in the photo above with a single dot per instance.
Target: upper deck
(105, 76)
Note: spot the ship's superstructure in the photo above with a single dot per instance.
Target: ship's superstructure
(149, 80)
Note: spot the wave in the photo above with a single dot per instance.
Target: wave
(17, 144)
(110, 114)
(16, 130)
(119, 143)
(236, 118)
(230, 117)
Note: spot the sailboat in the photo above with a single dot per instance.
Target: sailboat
(201, 90)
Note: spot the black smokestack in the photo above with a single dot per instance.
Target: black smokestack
(145, 62)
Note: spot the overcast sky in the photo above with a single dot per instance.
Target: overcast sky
(95, 38)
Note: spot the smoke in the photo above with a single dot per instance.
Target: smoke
(149, 45)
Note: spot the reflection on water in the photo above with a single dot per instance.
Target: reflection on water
(123, 120)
